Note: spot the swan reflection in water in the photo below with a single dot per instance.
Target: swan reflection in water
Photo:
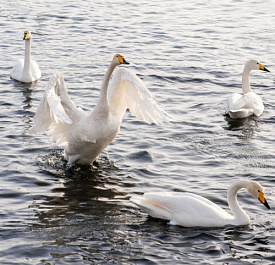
(242, 128)
(27, 101)
(80, 194)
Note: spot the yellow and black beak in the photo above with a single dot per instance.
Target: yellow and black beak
(26, 35)
(262, 199)
(261, 67)
(122, 60)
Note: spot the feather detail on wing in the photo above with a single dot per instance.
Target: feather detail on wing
(126, 90)
(35, 71)
(152, 208)
(185, 209)
(16, 71)
(241, 106)
(56, 111)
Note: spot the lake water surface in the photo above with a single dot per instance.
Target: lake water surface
(190, 54)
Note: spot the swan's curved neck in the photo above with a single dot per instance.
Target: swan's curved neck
(102, 108)
(240, 215)
(103, 97)
(245, 80)
(27, 62)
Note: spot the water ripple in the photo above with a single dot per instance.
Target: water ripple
(191, 57)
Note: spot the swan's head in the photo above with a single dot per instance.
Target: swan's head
(119, 59)
(255, 65)
(27, 35)
(256, 190)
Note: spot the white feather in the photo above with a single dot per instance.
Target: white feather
(26, 70)
(191, 210)
(126, 90)
(248, 103)
(241, 106)
(86, 135)
(55, 113)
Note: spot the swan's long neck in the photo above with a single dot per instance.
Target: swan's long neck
(103, 97)
(245, 80)
(27, 62)
(240, 215)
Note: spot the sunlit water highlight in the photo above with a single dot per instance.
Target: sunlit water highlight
(191, 56)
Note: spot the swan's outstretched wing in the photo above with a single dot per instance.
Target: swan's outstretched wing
(56, 111)
(241, 106)
(126, 90)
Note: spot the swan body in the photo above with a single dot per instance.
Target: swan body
(26, 70)
(85, 135)
(191, 210)
(248, 103)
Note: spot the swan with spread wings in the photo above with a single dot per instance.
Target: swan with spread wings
(86, 135)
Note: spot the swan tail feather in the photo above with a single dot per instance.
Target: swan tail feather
(241, 113)
(151, 207)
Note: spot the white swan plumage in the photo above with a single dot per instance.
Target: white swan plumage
(85, 135)
(248, 103)
(26, 70)
(192, 210)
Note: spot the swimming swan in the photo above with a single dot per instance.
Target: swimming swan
(86, 135)
(191, 210)
(249, 103)
(26, 70)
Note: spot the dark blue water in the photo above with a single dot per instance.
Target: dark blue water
(191, 56)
